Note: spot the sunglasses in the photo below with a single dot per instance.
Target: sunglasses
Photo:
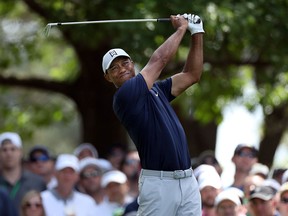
(246, 154)
(131, 162)
(40, 158)
(284, 200)
(36, 205)
(87, 175)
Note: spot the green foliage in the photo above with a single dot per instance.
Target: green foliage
(244, 47)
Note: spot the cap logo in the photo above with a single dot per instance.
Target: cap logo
(113, 53)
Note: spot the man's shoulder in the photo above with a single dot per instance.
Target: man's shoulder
(83, 197)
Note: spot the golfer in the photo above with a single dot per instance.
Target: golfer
(167, 185)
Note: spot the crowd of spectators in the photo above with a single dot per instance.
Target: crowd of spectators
(81, 183)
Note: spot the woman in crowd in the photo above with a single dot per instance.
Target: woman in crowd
(31, 204)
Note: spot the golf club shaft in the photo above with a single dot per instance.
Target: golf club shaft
(109, 21)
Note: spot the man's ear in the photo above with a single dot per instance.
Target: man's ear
(107, 77)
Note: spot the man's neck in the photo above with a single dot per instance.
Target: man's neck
(239, 179)
(12, 175)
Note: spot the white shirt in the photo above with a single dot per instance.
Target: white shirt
(107, 208)
(78, 204)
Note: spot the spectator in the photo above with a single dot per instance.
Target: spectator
(277, 174)
(41, 162)
(260, 169)
(228, 203)
(208, 157)
(14, 177)
(63, 199)
(86, 150)
(116, 189)
(6, 206)
(262, 202)
(210, 185)
(245, 156)
(31, 204)
(131, 167)
(116, 154)
(91, 172)
(283, 202)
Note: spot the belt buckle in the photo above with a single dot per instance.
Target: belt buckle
(178, 174)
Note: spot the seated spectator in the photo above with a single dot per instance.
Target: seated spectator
(210, 185)
(91, 171)
(14, 178)
(41, 162)
(262, 202)
(228, 203)
(31, 204)
(116, 189)
(86, 150)
(208, 157)
(63, 199)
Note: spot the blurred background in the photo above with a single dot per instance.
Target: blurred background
(52, 90)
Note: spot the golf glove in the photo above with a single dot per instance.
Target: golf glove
(195, 24)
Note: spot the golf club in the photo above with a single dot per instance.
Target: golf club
(49, 25)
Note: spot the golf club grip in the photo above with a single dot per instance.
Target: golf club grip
(163, 20)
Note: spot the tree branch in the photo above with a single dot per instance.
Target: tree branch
(46, 85)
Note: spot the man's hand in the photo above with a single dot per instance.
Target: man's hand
(195, 24)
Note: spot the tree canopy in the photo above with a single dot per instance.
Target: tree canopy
(244, 49)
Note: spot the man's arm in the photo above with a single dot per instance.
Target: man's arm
(193, 67)
(163, 54)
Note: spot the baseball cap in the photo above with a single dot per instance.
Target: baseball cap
(90, 161)
(260, 169)
(12, 137)
(227, 195)
(39, 148)
(262, 192)
(283, 188)
(84, 146)
(242, 145)
(208, 176)
(110, 56)
(67, 160)
(113, 176)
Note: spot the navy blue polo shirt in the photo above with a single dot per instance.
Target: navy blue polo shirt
(152, 124)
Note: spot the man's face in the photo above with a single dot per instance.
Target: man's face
(10, 155)
(120, 70)
(90, 179)
(283, 204)
(226, 208)
(41, 164)
(208, 195)
(67, 178)
(116, 192)
(244, 159)
(261, 207)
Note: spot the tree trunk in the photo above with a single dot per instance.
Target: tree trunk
(274, 128)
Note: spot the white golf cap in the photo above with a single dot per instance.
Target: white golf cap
(227, 195)
(110, 56)
(113, 176)
(67, 160)
(90, 161)
(12, 137)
